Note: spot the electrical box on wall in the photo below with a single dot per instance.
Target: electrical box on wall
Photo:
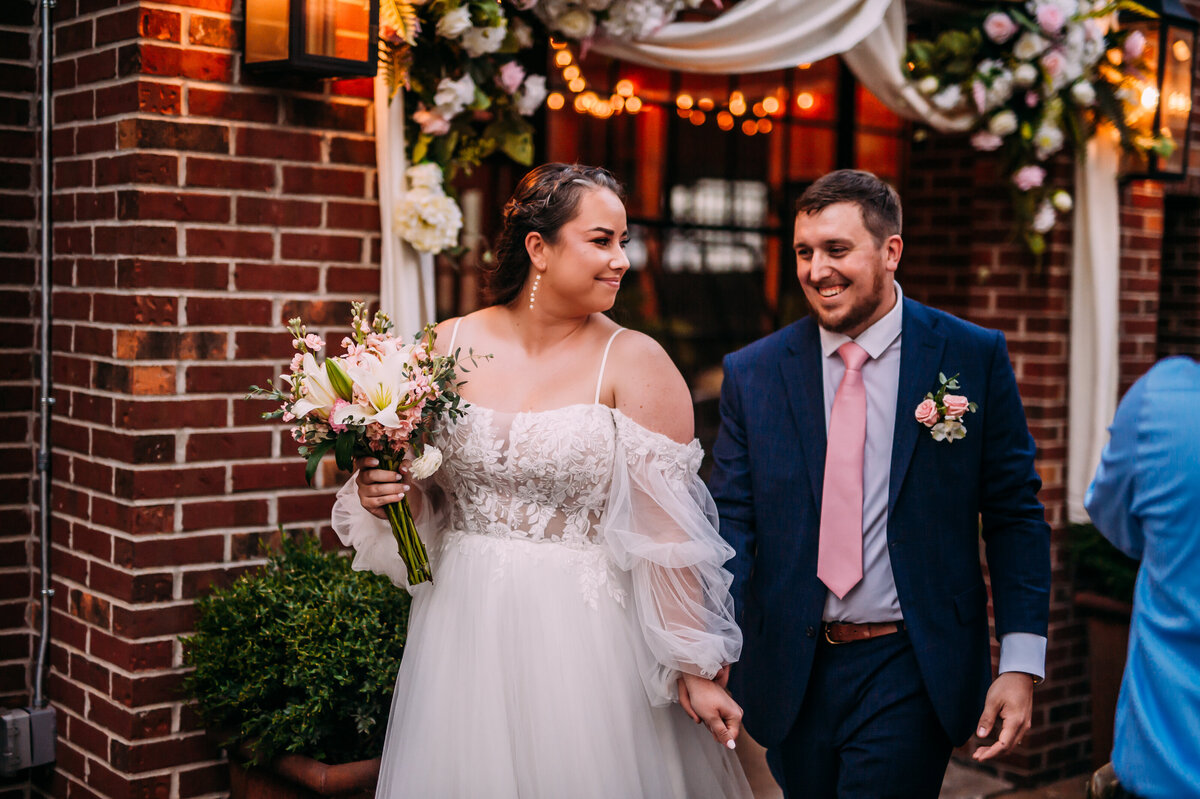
(26, 739)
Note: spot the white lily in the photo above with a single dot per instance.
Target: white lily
(381, 382)
(318, 394)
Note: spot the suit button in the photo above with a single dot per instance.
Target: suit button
(811, 632)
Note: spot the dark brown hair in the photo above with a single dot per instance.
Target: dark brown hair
(545, 200)
(877, 201)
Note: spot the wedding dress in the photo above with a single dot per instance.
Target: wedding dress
(576, 570)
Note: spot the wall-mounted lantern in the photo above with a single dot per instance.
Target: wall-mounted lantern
(330, 38)
(1165, 90)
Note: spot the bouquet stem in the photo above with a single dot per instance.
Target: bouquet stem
(408, 541)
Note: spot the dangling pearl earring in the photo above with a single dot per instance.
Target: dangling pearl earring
(537, 281)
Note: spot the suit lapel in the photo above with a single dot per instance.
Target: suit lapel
(803, 378)
(920, 353)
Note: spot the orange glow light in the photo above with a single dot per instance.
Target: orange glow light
(770, 105)
(633, 105)
(625, 88)
(805, 100)
(758, 110)
(577, 85)
(764, 126)
(698, 117)
(589, 100)
(571, 72)
(705, 104)
(684, 101)
(725, 120)
(749, 127)
(563, 57)
(617, 102)
(555, 101)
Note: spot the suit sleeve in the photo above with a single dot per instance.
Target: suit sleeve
(731, 487)
(1015, 532)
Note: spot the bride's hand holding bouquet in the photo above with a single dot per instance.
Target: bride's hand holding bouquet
(381, 401)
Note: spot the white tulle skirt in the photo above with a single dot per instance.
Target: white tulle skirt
(522, 678)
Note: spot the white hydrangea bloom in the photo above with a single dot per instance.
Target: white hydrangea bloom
(453, 96)
(1043, 220)
(429, 221)
(424, 176)
(454, 24)
(532, 93)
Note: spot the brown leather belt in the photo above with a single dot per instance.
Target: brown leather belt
(840, 633)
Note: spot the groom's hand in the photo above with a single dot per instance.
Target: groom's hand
(1011, 699)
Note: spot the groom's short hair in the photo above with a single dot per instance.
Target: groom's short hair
(877, 201)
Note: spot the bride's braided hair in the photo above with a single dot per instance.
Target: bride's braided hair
(545, 200)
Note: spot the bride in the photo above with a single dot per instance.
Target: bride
(578, 584)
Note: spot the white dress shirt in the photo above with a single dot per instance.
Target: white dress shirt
(875, 598)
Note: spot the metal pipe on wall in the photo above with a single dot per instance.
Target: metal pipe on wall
(47, 401)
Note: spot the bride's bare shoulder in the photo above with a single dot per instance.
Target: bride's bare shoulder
(477, 321)
(648, 387)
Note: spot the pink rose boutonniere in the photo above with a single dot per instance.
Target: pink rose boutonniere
(942, 412)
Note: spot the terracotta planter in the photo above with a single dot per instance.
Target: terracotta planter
(1108, 642)
(299, 777)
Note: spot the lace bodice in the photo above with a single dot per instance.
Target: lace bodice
(541, 476)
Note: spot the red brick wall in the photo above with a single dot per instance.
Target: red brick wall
(1141, 262)
(197, 208)
(18, 424)
(1179, 294)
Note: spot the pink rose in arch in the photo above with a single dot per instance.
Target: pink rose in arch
(956, 406)
(1051, 18)
(927, 413)
(512, 75)
(999, 27)
(1029, 177)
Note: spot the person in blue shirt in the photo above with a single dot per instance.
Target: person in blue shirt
(1145, 499)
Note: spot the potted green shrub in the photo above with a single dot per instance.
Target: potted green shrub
(293, 670)
(1104, 580)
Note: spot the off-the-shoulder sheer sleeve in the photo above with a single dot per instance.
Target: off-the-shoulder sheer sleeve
(660, 525)
(374, 545)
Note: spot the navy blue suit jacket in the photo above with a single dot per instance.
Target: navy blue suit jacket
(769, 462)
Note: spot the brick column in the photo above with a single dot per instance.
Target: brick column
(1179, 294)
(197, 210)
(1141, 263)
(18, 331)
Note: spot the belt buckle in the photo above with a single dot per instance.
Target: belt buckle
(825, 632)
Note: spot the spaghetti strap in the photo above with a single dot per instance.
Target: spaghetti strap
(454, 336)
(603, 363)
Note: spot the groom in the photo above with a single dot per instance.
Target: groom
(855, 510)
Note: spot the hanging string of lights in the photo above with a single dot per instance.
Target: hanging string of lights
(735, 111)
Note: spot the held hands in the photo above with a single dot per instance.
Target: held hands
(707, 702)
(1010, 698)
(380, 487)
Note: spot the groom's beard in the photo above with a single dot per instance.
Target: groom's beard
(859, 312)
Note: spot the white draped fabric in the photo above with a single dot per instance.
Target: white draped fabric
(870, 35)
(763, 35)
(406, 276)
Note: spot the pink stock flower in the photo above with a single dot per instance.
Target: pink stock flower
(999, 27)
(313, 341)
(1051, 18)
(1029, 177)
(927, 413)
(985, 140)
(956, 406)
(1032, 98)
(512, 75)
(288, 416)
(979, 95)
(337, 428)
(431, 122)
(297, 362)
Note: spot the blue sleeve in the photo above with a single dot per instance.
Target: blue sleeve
(1109, 498)
(730, 485)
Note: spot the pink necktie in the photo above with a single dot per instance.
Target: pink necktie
(839, 558)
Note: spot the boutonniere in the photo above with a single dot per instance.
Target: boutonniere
(942, 412)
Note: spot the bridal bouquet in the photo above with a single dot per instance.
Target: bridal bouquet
(381, 399)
